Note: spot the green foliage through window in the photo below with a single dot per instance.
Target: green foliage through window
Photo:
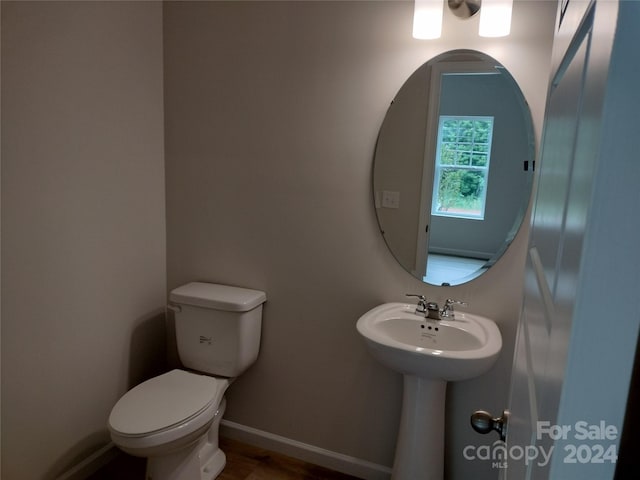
(462, 166)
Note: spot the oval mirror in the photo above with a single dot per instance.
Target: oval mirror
(453, 167)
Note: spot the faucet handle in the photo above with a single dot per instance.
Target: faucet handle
(448, 306)
(422, 302)
(450, 301)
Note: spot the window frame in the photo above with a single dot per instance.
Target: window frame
(439, 167)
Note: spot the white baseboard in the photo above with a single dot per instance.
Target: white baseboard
(276, 443)
(303, 451)
(91, 464)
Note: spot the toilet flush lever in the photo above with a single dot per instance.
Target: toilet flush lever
(483, 422)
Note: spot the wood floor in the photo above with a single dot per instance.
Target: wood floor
(244, 462)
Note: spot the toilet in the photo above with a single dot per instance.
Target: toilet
(173, 419)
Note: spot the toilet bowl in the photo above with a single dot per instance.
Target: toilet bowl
(174, 418)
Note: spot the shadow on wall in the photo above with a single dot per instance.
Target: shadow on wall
(147, 359)
(171, 353)
(148, 346)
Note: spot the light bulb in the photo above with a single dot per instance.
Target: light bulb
(495, 18)
(427, 19)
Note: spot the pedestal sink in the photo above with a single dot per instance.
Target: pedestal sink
(429, 353)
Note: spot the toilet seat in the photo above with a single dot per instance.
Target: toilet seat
(172, 407)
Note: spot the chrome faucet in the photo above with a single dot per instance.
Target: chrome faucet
(447, 310)
(431, 309)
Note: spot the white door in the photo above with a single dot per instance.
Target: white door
(579, 326)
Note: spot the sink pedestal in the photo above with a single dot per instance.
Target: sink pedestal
(429, 354)
(420, 446)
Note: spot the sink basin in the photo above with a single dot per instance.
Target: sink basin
(460, 348)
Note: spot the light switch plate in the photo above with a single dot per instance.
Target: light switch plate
(390, 199)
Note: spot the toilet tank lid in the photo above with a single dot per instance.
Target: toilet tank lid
(216, 296)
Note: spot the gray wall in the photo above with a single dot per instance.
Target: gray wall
(83, 227)
(272, 112)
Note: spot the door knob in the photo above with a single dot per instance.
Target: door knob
(483, 422)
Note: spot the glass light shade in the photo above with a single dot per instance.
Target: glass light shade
(495, 18)
(427, 19)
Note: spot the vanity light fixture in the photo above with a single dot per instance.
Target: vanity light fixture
(427, 19)
(495, 16)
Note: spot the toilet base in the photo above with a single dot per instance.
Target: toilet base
(202, 460)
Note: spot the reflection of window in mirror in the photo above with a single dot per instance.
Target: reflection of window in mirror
(462, 166)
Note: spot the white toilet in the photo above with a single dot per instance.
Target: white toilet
(173, 419)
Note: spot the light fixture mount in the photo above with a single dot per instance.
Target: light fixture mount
(464, 8)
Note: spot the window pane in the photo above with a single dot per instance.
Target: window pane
(479, 160)
(450, 131)
(481, 147)
(448, 154)
(461, 191)
(482, 130)
(464, 158)
(466, 126)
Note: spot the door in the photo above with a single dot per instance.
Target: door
(579, 325)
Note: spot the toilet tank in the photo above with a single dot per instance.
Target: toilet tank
(217, 327)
